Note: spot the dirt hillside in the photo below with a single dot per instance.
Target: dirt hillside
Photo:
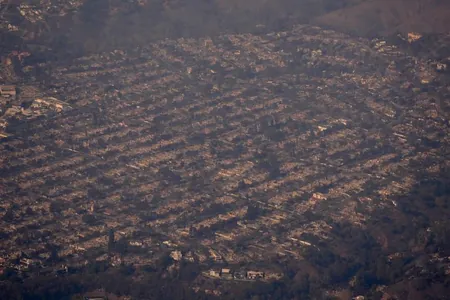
(386, 17)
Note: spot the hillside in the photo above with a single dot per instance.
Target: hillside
(387, 17)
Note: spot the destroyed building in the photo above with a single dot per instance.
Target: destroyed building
(308, 140)
(8, 91)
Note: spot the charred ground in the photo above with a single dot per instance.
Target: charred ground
(303, 153)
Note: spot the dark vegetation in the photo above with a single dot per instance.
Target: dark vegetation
(95, 28)
(135, 25)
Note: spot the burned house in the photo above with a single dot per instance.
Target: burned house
(8, 91)
(214, 273)
(226, 274)
(49, 103)
(253, 275)
(239, 275)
